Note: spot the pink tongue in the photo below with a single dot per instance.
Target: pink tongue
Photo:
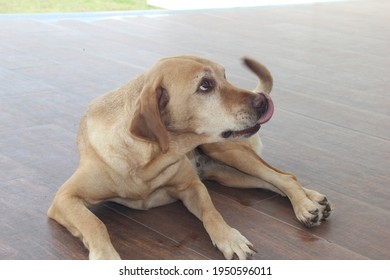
(270, 111)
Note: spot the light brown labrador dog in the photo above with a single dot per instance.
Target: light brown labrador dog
(151, 141)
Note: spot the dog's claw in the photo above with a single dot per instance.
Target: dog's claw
(252, 249)
(324, 201)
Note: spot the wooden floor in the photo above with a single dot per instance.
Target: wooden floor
(331, 67)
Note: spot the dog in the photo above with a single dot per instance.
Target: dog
(153, 140)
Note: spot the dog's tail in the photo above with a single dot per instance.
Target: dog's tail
(265, 78)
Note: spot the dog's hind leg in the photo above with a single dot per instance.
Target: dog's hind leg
(210, 169)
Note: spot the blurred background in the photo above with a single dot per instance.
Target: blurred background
(50, 6)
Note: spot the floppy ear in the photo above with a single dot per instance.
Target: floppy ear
(147, 123)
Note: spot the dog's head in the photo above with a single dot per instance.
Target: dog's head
(188, 94)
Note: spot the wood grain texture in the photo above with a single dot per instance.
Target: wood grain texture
(331, 126)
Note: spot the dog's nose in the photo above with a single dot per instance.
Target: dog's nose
(264, 106)
(258, 100)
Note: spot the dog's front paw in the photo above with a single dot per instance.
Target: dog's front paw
(313, 209)
(234, 245)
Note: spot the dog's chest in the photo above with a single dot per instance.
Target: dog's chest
(134, 186)
(165, 176)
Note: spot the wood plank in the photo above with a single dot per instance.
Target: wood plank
(176, 223)
(26, 231)
(355, 117)
(277, 240)
(355, 225)
(135, 241)
(309, 147)
(48, 240)
(372, 225)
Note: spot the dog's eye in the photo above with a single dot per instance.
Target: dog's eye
(206, 86)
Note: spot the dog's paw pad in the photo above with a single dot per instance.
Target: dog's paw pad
(235, 246)
(311, 219)
(313, 209)
(201, 163)
(327, 211)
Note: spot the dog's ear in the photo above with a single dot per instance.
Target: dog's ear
(147, 123)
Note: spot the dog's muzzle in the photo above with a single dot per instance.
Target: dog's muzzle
(264, 106)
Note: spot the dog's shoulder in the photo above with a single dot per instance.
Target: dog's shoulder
(113, 102)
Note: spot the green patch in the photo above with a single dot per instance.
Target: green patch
(55, 6)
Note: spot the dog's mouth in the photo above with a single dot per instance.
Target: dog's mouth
(266, 111)
(245, 133)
